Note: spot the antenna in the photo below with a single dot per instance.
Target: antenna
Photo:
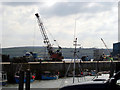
(75, 30)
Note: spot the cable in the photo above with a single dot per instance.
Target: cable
(54, 40)
(34, 36)
(52, 37)
(65, 74)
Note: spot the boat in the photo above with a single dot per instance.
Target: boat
(3, 78)
(102, 82)
(47, 75)
(32, 78)
(112, 83)
(102, 77)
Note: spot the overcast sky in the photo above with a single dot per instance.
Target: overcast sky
(94, 20)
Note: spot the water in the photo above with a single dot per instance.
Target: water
(53, 83)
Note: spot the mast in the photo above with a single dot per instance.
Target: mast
(75, 44)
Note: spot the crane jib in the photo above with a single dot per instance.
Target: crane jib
(54, 55)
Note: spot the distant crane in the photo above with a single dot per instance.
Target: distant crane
(105, 45)
(55, 55)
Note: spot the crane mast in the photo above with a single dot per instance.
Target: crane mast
(54, 55)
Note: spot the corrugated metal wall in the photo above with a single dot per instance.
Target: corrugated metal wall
(116, 49)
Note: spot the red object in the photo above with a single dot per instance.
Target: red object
(33, 77)
(56, 56)
(81, 73)
(58, 73)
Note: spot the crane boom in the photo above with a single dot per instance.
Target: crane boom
(44, 34)
(54, 55)
(105, 45)
(42, 29)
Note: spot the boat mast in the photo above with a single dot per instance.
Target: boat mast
(75, 44)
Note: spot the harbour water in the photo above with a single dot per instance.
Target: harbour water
(53, 83)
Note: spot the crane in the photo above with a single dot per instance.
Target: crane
(105, 45)
(55, 55)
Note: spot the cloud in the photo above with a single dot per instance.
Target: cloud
(18, 25)
(68, 8)
(14, 4)
(94, 20)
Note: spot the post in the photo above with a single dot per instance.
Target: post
(21, 80)
(10, 72)
(39, 72)
(97, 67)
(117, 67)
(27, 80)
(80, 68)
(111, 69)
(64, 68)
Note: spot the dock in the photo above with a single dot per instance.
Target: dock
(61, 67)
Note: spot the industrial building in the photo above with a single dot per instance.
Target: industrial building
(116, 49)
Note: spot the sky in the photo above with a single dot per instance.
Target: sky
(87, 21)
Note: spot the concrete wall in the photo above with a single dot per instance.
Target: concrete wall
(61, 67)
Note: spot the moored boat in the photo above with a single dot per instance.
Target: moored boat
(3, 78)
(32, 78)
(47, 75)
